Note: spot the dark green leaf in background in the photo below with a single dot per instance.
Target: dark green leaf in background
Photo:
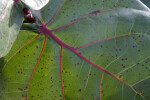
(146, 2)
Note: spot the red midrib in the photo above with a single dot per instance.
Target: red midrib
(55, 38)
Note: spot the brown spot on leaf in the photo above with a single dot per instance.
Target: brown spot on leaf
(20, 89)
(79, 90)
(32, 96)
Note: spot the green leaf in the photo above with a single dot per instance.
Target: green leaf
(121, 31)
(11, 18)
(35, 4)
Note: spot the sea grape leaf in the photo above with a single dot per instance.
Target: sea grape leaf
(37, 16)
(121, 30)
(11, 18)
(35, 4)
(28, 26)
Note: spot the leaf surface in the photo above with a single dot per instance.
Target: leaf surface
(121, 46)
(11, 18)
(35, 4)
